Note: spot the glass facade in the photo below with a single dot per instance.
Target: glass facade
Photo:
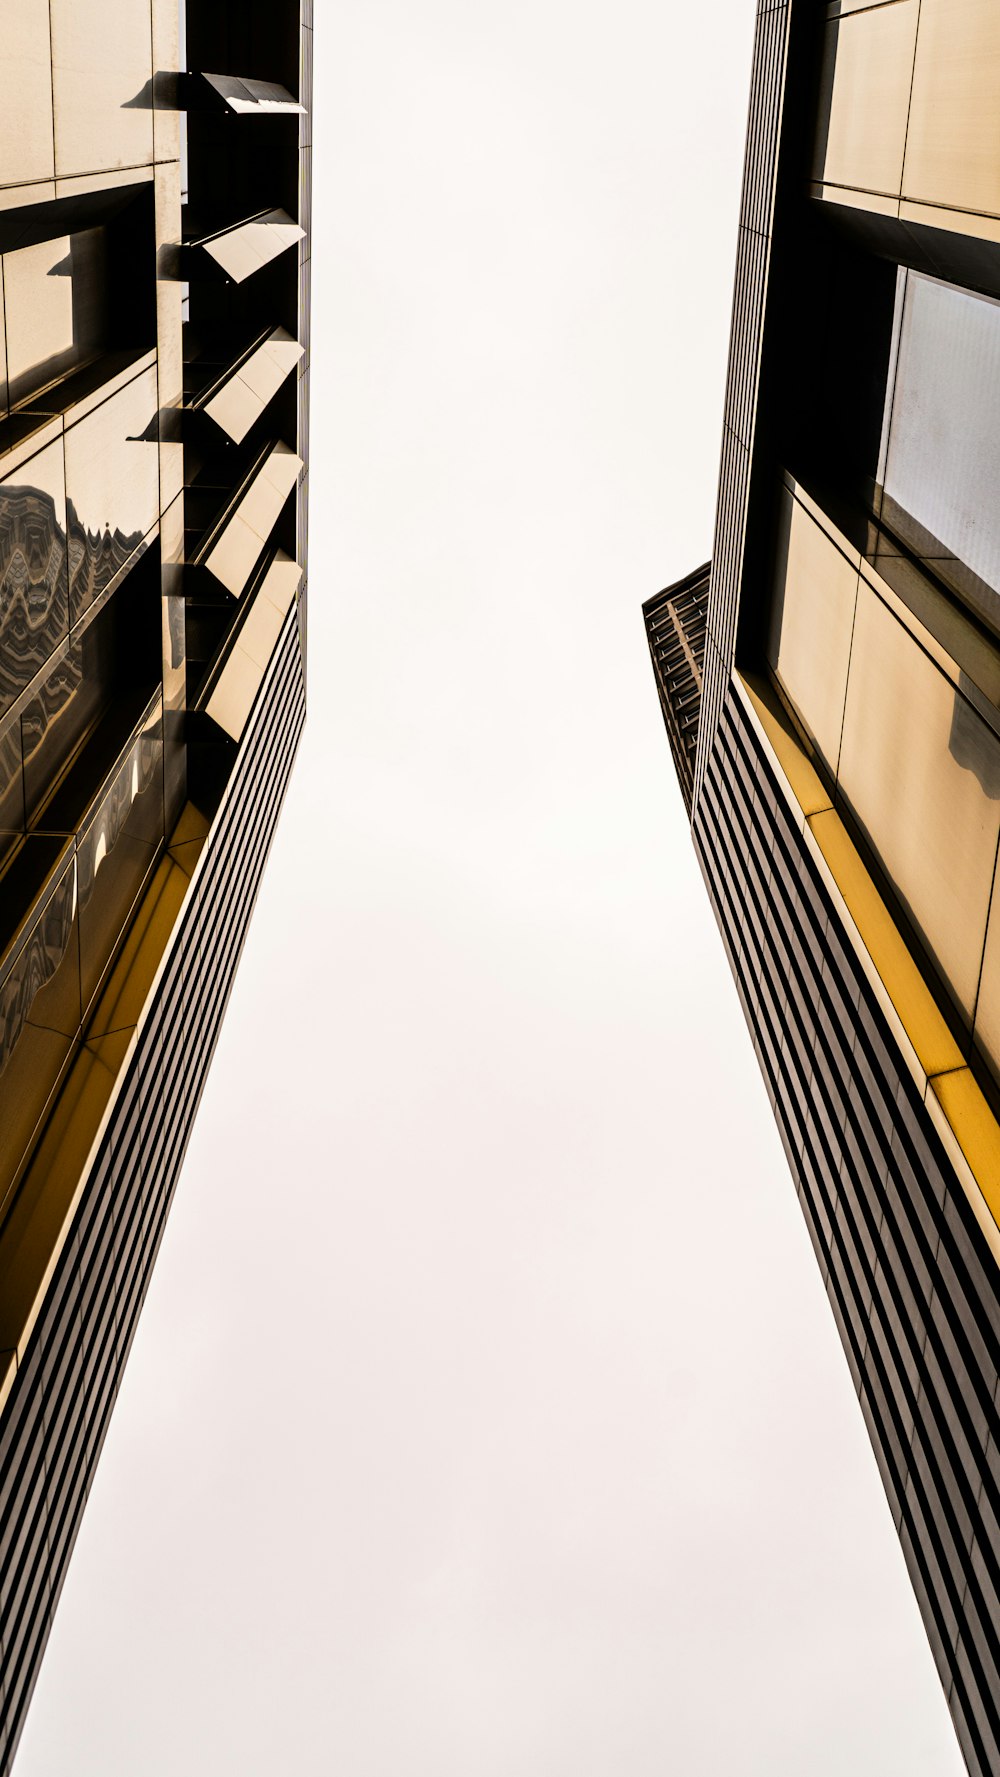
(903, 733)
(887, 647)
(888, 654)
(845, 792)
(149, 466)
(153, 450)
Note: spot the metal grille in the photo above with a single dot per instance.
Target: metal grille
(675, 630)
(910, 1280)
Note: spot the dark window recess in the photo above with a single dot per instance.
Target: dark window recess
(68, 326)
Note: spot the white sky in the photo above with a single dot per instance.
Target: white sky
(487, 1416)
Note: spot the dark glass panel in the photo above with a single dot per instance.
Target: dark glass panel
(34, 604)
(116, 848)
(112, 487)
(941, 474)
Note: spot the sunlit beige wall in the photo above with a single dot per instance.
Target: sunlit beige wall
(905, 737)
(910, 122)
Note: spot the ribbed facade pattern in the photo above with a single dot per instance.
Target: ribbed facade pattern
(907, 1272)
(190, 604)
(910, 1279)
(56, 1420)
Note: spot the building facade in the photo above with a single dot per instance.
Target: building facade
(844, 791)
(155, 177)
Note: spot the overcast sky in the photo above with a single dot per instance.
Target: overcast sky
(487, 1417)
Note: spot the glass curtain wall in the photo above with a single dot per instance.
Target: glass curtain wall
(889, 656)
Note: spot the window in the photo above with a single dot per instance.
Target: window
(939, 476)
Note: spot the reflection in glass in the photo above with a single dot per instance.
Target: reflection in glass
(965, 742)
(920, 769)
(55, 308)
(11, 786)
(33, 580)
(117, 846)
(38, 312)
(941, 473)
(112, 486)
(55, 721)
(911, 741)
(40, 1005)
(35, 966)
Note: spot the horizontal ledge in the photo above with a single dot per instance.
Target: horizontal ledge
(245, 248)
(240, 96)
(233, 689)
(234, 546)
(236, 401)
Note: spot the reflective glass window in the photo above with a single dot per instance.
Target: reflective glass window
(117, 846)
(34, 592)
(40, 1005)
(56, 719)
(112, 486)
(38, 312)
(4, 392)
(941, 473)
(55, 307)
(920, 770)
(11, 787)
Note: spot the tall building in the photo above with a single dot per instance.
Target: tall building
(833, 701)
(155, 172)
